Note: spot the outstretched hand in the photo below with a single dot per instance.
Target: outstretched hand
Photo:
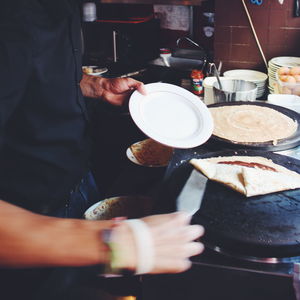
(173, 240)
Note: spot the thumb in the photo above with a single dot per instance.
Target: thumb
(137, 85)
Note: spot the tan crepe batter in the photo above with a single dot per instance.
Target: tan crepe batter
(251, 124)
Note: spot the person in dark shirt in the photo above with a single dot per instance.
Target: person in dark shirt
(44, 155)
(44, 121)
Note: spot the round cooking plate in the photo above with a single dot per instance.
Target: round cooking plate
(260, 226)
(283, 144)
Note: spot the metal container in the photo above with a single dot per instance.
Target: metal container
(234, 90)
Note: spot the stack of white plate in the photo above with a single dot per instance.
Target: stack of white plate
(259, 78)
(276, 63)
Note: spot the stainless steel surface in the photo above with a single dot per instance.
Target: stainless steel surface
(243, 269)
(190, 198)
(265, 260)
(184, 64)
(115, 45)
(235, 90)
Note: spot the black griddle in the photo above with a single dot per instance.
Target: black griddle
(262, 226)
(283, 144)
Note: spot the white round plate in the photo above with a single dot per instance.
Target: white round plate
(171, 115)
(244, 74)
(99, 72)
(287, 61)
(132, 158)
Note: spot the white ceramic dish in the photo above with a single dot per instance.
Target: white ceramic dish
(248, 75)
(121, 206)
(96, 70)
(132, 158)
(287, 61)
(289, 101)
(171, 115)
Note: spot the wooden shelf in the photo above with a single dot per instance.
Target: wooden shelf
(167, 2)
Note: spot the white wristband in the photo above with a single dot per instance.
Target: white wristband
(144, 245)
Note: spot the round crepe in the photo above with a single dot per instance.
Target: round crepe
(251, 124)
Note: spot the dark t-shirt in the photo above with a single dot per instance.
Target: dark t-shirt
(43, 121)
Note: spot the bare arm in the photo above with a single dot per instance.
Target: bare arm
(32, 240)
(29, 239)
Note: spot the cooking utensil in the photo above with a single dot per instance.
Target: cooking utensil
(208, 89)
(288, 143)
(218, 78)
(254, 33)
(235, 90)
(190, 197)
(213, 71)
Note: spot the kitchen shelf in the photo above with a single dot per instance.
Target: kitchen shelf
(168, 2)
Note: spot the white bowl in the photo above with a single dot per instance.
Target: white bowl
(248, 75)
(122, 206)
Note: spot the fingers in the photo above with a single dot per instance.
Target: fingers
(137, 85)
(176, 260)
(117, 91)
(178, 218)
(174, 241)
(191, 233)
(180, 251)
(163, 244)
(173, 226)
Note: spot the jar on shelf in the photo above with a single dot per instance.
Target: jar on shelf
(197, 77)
(165, 54)
(89, 11)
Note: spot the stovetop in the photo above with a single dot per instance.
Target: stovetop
(219, 258)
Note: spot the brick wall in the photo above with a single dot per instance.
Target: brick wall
(277, 30)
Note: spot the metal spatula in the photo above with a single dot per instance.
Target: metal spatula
(191, 195)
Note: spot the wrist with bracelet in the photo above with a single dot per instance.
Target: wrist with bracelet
(119, 259)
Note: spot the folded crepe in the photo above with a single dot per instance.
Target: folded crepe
(249, 175)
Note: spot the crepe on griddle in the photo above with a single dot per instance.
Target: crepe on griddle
(151, 153)
(248, 175)
(251, 124)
